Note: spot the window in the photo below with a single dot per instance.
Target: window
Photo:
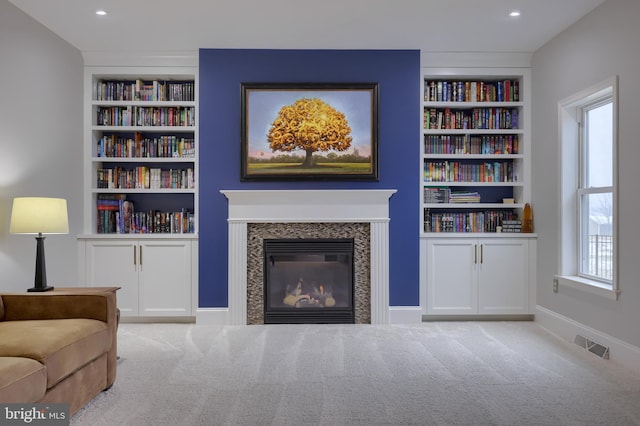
(595, 192)
(587, 131)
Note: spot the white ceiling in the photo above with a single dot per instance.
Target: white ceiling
(429, 25)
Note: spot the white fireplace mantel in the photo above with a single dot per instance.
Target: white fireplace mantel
(346, 205)
(300, 206)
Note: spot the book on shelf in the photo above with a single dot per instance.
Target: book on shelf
(504, 90)
(145, 90)
(464, 197)
(166, 146)
(511, 226)
(470, 221)
(468, 144)
(150, 116)
(472, 118)
(143, 177)
(436, 195)
(456, 171)
(117, 215)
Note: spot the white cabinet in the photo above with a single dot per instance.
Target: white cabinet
(479, 276)
(157, 276)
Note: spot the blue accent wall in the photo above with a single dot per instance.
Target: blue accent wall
(398, 74)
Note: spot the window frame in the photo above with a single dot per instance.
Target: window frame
(572, 173)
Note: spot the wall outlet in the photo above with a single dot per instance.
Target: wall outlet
(555, 285)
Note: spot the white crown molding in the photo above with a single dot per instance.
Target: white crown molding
(475, 59)
(128, 59)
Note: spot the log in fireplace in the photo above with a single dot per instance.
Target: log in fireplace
(308, 280)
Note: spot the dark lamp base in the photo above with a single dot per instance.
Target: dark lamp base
(40, 289)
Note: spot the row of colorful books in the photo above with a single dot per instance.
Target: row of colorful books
(116, 215)
(139, 90)
(475, 221)
(145, 116)
(169, 146)
(468, 144)
(474, 118)
(143, 177)
(456, 171)
(471, 91)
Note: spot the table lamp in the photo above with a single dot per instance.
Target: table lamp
(37, 215)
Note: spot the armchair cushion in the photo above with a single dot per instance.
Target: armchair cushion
(22, 379)
(62, 345)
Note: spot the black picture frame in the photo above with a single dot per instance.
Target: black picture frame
(309, 131)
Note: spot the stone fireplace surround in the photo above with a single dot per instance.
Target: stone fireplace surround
(258, 232)
(322, 207)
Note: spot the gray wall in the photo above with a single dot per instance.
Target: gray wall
(41, 115)
(602, 44)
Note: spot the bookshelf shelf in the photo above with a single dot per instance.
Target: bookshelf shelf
(143, 191)
(472, 206)
(472, 183)
(144, 103)
(143, 160)
(472, 131)
(467, 105)
(146, 129)
(474, 156)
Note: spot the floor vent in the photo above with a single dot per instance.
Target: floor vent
(591, 346)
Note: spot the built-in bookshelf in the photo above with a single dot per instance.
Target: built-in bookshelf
(475, 150)
(474, 186)
(141, 151)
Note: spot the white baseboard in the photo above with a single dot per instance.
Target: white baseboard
(620, 352)
(405, 315)
(397, 315)
(212, 316)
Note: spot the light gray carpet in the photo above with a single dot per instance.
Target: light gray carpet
(442, 373)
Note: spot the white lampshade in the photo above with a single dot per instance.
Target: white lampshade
(33, 215)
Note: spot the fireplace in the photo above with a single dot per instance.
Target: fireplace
(256, 214)
(308, 281)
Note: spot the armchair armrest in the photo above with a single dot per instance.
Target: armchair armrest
(42, 306)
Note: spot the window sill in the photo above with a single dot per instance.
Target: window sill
(590, 286)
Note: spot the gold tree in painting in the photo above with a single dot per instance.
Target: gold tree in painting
(309, 125)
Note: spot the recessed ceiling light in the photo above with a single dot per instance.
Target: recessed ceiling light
(514, 14)
(101, 12)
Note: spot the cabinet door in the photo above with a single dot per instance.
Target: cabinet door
(115, 263)
(503, 280)
(452, 276)
(165, 278)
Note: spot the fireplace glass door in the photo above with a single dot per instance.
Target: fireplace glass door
(308, 281)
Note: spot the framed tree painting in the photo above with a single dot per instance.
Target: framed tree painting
(309, 131)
